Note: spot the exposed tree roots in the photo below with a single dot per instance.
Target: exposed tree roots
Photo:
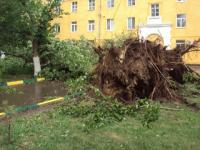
(140, 69)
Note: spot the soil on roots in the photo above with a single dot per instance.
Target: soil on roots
(140, 69)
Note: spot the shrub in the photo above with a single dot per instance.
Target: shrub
(118, 40)
(69, 58)
(96, 110)
(12, 66)
(190, 77)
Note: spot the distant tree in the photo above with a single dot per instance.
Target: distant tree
(24, 23)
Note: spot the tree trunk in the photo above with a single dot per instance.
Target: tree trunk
(36, 58)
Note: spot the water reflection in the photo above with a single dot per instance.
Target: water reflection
(29, 94)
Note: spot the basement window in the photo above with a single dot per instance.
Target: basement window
(180, 44)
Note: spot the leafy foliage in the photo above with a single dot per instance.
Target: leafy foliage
(12, 66)
(26, 23)
(33, 15)
(96, 110)
(68, 58)
(191, 77)
(118, 40)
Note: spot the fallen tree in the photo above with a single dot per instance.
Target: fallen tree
(141, 69)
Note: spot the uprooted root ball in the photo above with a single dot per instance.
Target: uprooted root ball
(139, 69)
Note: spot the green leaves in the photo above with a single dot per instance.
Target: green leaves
(70, 58)
(96, 110)
(13, 66)
(191, 77)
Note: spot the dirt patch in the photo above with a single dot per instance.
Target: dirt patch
(114, 136)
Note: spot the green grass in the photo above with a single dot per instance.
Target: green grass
(174, 130)
(52, 131)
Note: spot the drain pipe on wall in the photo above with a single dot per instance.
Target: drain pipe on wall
(99, 15)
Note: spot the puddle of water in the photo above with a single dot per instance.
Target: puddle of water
(33, 93)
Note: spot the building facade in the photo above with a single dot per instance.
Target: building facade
(173, 22)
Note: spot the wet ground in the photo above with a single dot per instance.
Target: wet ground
(29, 94)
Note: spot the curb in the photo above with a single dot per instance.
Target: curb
(21, 82)
(33, 106)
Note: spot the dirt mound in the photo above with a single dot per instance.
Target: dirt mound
(140, 69)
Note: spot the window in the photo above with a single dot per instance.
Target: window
(74, 26)
(58, 1)
(74, 6)
(154, 10)
(180, 44)
(57, 28)
(110, 24)
(180, 0)
(91, 4)
(181, 20)
(110, 3)
(57, 9)
(131, 23)
(91, 25)
(131, 2)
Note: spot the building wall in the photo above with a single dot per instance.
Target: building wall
(141, 11)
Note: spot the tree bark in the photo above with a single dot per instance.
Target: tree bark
(36, 58)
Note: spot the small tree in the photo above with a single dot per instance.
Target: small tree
(24, 22)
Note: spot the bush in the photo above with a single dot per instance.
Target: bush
(118, 40)
(13, 66)
(96, 110)
(69, 58)
(102, 112)
(190, 77)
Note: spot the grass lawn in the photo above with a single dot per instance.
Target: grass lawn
(174, 130)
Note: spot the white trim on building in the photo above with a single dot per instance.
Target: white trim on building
(163, 30)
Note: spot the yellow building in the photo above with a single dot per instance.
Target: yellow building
(176, 22)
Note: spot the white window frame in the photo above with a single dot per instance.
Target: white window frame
(110, 24)
(181, 22)
(155, 10)
(110, 3)
(57, 28)
(91, 5)
(91, 25)
(57, 9)
(180, 44)
(131, 2)
(74, 26)
(132, 21)
(74, 6)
